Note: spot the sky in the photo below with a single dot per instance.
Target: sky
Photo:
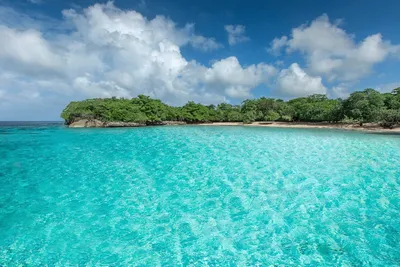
(53, 52)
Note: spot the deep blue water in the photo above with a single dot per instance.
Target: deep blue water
(198, 195)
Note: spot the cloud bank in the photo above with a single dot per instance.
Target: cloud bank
(111, 52)
(331, 52)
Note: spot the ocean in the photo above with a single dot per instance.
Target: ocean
(197, 196)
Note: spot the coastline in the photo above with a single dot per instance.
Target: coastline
(367, 127)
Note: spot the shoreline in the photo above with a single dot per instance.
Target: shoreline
(367, 127)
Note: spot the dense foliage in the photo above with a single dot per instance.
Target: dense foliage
(361, 107)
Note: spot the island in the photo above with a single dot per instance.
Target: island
(362, 110)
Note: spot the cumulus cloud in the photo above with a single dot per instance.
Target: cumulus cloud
(36, 1)
(387, 87)
(205, 44)
(277, 44)
(332, 52)
(236, 34)
(295, 82)
(236, 80)
(27, 50)
(111, 52)
(340, 91)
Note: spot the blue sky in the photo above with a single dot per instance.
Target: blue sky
(207, 51)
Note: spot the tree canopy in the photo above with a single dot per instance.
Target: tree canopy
(361, 107)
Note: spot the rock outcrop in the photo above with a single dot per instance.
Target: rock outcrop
(94, 123)
(174, 122)
(86, 123)
(123, 124)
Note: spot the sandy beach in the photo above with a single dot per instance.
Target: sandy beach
(368, 127)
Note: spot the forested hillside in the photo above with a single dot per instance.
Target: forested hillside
(360, 107)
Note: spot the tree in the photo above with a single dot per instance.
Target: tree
(194, 112)
(392, 100)
(390, 117)
(227, 112)
(271, 116)
(249, 116)
(364, 106)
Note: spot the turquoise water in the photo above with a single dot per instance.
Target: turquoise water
(199, 196)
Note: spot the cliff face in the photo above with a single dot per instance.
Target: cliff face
(93, 123)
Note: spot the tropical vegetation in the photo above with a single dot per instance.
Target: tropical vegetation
(360, 107)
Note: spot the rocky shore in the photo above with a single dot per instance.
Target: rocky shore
(93, 123)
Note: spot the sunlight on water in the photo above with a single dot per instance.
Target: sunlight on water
(198, 196)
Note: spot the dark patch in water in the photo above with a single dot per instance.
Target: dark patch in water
(385, 133)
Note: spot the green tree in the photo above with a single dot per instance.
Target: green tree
(364, 106)
(249, 116)
(193, 112)
(272, 116)
(390, 117)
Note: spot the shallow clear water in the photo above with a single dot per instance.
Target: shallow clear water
(201, 196)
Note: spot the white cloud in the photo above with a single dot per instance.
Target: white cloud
(340, 91)
(236, 34)
(204, 44)
(333, 53)
(27, 50)
(295, 82)
(36, 1)
(277, 44)
(32, 99)
(387, 87)
(237, 81)
(111, 52)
